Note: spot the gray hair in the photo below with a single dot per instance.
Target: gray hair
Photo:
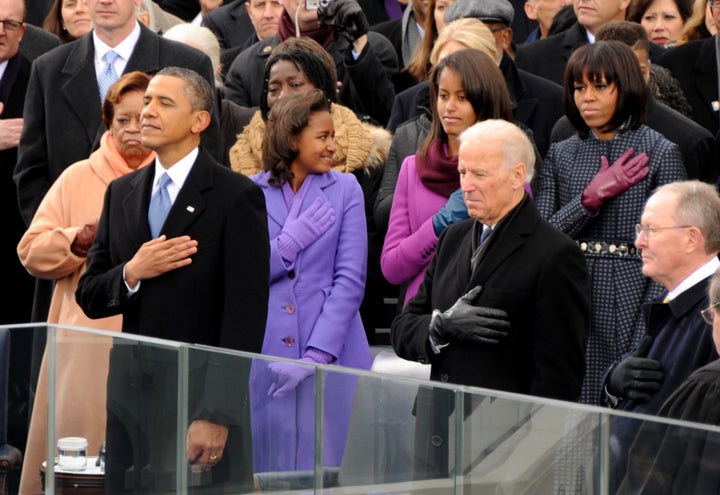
(714, 289)
(201, 38)
(698, 205)
(516, 146)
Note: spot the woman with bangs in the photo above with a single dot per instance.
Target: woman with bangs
(465, 87)
(593, 186)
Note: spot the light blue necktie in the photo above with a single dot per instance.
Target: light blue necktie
(108, 76)
(159, 205)
(485, 234)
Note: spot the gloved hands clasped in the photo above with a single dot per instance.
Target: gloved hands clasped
(636, 377)
(346, 18)
(287, 376)
(298, 233)
(611, 180)
(464, 322)
(454, 210)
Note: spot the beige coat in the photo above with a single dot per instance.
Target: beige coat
(74, 200)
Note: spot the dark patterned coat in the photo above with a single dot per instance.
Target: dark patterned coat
(618, 286)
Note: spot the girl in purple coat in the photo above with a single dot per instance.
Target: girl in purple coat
(318, 246)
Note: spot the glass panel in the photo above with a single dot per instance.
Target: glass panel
(341, 431)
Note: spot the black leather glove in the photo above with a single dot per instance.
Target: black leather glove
(464, 322)
(346, 18)
(636, 377)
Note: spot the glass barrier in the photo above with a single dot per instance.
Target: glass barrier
(339, 431)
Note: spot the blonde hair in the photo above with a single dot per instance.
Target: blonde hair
(467, 31)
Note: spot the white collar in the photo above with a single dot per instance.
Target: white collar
(705, 271)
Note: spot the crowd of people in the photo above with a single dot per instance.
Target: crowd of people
(535, 183)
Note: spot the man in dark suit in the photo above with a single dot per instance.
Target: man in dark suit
(548, 57)
(17, 303)
(242, 24)
(695, 66)
(62, 109)
(505, 302)
(201, 276)
(230, 23)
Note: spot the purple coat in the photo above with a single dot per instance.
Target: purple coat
(313, 302)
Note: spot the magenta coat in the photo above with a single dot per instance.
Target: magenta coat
(410, 240)
(313, 302)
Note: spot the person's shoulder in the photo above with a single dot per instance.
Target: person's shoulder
(261, 48)
(546, 87)
(683, 54)
(376, 39)
(543, 45)
(674, 121)
(58, 55)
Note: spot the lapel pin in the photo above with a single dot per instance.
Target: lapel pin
(715, 105)
(191, 209)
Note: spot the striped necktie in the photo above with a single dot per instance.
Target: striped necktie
(108, 76)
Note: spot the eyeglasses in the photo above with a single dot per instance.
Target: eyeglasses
(646, 232)
(714, 4)
(708, 314)
(11, 25)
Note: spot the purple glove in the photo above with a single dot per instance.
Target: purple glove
(614, 179)
(287, 376)
(298, 233)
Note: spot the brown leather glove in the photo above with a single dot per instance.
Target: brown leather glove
(84, 239)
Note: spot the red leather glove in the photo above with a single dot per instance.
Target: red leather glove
(614, 179)
(84, 239)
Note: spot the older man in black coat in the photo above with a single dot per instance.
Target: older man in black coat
(505, 302)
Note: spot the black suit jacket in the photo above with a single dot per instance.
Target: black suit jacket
(63, 121)
(698, 147)
(538, 276)
(219, 300)
(17, 303)
(548, 57)
(694, 65)
(37, 41)
(230, 23)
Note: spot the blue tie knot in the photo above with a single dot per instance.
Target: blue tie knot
(164, 181)
(110, 57)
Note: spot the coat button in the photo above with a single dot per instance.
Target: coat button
(291, 274)
(444, 377)
(290, 308)
(436, 440)
(289, 341)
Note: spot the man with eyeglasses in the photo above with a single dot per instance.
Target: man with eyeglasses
(679, 240)
(695, 65)
(16, 305)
